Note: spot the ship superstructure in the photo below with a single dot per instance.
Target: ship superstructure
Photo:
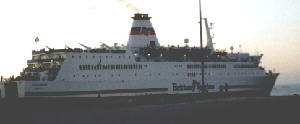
(141, 68)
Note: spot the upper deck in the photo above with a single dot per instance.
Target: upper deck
(152, 54)
(77, 50)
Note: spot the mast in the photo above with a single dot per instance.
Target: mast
(201, 45)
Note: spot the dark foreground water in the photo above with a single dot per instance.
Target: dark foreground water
(280, 109)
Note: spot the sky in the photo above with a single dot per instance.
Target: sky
(270, 27)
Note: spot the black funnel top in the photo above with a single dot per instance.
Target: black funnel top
(139, 16)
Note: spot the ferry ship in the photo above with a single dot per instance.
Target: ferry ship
(141, 68)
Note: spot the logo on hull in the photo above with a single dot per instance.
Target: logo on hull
(194, 86)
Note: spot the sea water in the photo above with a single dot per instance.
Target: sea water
(286, 90)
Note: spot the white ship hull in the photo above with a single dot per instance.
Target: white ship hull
(143, 68)
(143, 84)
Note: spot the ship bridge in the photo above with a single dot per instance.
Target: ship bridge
(44, 65)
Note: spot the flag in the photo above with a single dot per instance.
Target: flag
(37, 39)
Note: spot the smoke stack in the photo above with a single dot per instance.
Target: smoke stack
(142, 33)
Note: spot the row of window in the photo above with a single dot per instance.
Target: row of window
(110, 67)
(190, 74)
(194, 74)
(112, 75)
(107, 57)
(118, 75)
(195, 66)
(245, 66)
